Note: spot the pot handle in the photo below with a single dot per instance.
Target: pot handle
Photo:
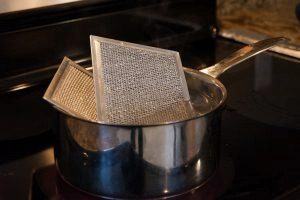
(241, 55)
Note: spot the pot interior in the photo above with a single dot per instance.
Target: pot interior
(206, 92)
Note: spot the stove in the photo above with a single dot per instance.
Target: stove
(260, 132)
(49, 184)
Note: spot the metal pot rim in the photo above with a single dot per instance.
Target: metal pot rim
(207, 78)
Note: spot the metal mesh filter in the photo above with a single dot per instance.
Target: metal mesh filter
(137, 84)
(72, 91)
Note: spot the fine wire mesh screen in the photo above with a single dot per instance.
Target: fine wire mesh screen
(137, 84)
(72, 91)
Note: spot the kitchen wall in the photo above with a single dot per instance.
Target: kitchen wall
(244, 20)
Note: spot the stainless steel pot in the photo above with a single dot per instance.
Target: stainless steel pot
(150, 161)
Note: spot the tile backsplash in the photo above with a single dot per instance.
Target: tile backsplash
(247, 20)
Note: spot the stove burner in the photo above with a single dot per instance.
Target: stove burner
(48, 184)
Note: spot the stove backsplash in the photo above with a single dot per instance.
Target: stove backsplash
(248, 20)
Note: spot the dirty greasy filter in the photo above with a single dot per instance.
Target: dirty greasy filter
(72, 91)
(137, 84)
